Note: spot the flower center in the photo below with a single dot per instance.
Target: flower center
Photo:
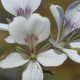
(32, 55)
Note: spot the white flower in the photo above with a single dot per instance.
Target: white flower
(31, 32)
(21, 7)
(70, 26)
(18, 8)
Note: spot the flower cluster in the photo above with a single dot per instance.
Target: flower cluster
(28, 28)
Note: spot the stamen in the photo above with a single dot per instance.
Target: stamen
(32, 56)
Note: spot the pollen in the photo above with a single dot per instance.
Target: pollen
(32, 56)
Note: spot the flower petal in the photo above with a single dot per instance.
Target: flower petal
(75, 43)
(4, 27)
(51, 57)
(14, 60)
(72, 11)
(40, 25)
(12, 6)
(33, 71)
(18, 30)
(33, 4)
(36, 25)
(58, 14)
(72, 54)
(9, 40)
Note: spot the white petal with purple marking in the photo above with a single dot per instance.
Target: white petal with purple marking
(21, 7)
(71, 11)
(31, 31)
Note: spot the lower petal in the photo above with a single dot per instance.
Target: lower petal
(9, 40)
(4, 27)
(33, 71)
(72, 54)
(14, 60)
(51, 57)
(75, 44)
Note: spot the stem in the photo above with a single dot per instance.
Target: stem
(49, 72)
(45, 47)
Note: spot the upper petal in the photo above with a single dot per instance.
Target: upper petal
(72, 54)
(11, 5)
(33, 4)
(18, 30)
(25, 6)
(9, 40)
(58, 14)
(21, 29)
(14, 60)
(72, 12)
(75, 43)
(40, 26)
(4, 27)
(32, 71)
(51, 57)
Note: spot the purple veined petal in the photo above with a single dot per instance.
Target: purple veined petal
(71, 11)
(72, 27)
(69, 28)
(71, 19)
(30, 32)
(33, 71)
(21, 7)
(42, 28)
(58, 14)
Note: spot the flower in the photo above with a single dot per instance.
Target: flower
(31, 32)
(18, 8)
(69, 32)
(21, 7)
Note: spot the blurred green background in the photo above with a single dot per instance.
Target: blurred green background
(69, 70)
